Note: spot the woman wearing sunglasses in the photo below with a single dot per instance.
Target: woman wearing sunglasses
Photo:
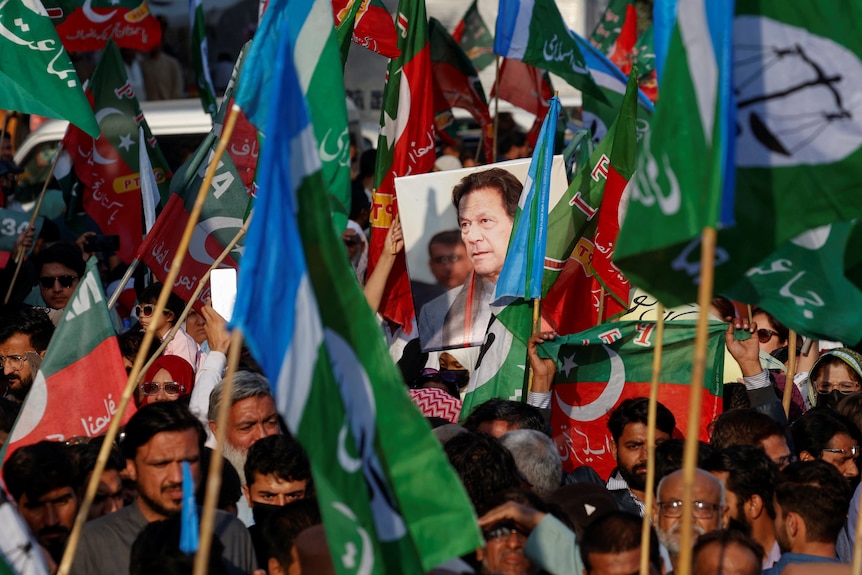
(168, 379)
(182, 345)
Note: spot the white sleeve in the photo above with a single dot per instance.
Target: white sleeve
(207, 378)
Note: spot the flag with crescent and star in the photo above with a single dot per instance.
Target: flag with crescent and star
(36, 75)
(85, 25)
(599, 368)
(83, 345)
(311, 28)
(332, 377)
(406, 146)
(106, 168)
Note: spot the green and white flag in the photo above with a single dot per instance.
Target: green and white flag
(333, 379)
(36, 75)
(200, 57)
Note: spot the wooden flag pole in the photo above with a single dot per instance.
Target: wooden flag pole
(19, 256)
(698, 371)
(791, 372)
(537, 314)
(208, 512)
(149, 335)
(652, 416)
(496, 106)
(602, 296)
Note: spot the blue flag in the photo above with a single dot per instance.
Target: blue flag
(189, 520)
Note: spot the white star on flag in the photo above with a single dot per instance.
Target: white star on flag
(126, 142)
(568, 364)
(388, 129)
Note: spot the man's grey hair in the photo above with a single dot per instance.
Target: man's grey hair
(245, 384)
(537, 459)
(706, 475)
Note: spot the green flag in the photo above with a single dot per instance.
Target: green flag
(200, 57)
(475, 39)
(344, 30)
(36, 75)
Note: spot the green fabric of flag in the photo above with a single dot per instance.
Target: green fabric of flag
(36, 75)
(200, 58)
(610, 25)
(603, 366)
(474, 37)
(344, 30)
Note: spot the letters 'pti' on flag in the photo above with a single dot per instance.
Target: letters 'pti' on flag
(406, 146)
(310, 27)
(88, 24)
(599, 368)
(36, 75)
(533, 31)
(328, 362)
(84, 344)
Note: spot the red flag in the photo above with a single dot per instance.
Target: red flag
(406, 146)
(373, 27)
(621, 53)
(524, 86)
(88, 24)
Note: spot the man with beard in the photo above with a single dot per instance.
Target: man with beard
(811, 501)
(40, 478)
(709, 509)
(628, 427)
(252, 417)
(749, 483)
(160, 439)
(24, 336)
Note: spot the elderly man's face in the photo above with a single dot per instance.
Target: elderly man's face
(485, 229)
(17, 373)
(709, 514)
(504, 552)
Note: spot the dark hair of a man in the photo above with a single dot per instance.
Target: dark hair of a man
(515, 413)
(742, 427)
(175, 303)
(850, 407)
(280, 455)
(725, 538)
(130, 342)
(815, 429)
(446, 237)
(523, 497)
(231, 487)
(634, 410)
(34, 470)
(750, 472)
(157, 418)
(817, 492)
(30, 321)
(723, 306)
(284, 524)
(483, 464)
(668, 457)
(86, 454)
(497, 178)
(157, 550)
(617, 532)
(64, 253)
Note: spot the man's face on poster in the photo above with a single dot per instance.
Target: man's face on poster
(485, 228)
(449, 263)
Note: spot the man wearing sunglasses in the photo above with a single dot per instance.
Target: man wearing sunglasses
(61, 266)
(24, 336)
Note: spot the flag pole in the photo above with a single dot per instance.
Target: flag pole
(537, 314)
(216, 460)
(695, 401)
(149, 335)
(496, 105)
(652, 416)
(602, 296)
(791, 372)
(123, 282)
(19, 256)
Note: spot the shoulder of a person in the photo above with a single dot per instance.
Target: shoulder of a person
(227, 524)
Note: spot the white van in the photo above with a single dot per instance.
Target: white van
(179, 125)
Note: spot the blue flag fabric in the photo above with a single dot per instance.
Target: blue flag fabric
(521, 276)
(189, 520)
(607, 74)
(663, 21)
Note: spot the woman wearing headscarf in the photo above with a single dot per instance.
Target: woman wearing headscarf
(168, 379)
(837, 373)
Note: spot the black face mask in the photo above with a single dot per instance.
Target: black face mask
(830, 399)
(262, 511)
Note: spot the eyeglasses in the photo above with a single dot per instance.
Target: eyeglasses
(15, 362)
(826, 387)
(503, 529)
(47, 282)
(146, 310)
(170, 388)
(854, 451)
(459, 377)
(700, 509)
(351, 242)
(447, 259)
(764, 335)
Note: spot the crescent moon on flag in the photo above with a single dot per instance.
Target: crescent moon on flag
(204, 229)
(93, 17)
(606, 400)
(348, 463)
(366, 557)
(100, 159)
(105, 112)
(37, 403)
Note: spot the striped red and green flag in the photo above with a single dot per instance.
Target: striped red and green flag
(616, 33)
(644, 60)
(601, 367)
(200, 57)
(107, 168)
(406, 146)
(474, 37)
(372, 26)
(85, 25)
(77, 389)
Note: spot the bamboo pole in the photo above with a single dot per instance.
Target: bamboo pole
(652, 416)
(149, 335)
(208, 512)
(791, 372)
(698, 371)
(537, 314)
(496, 107)
(19, 256)
(602, 295)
